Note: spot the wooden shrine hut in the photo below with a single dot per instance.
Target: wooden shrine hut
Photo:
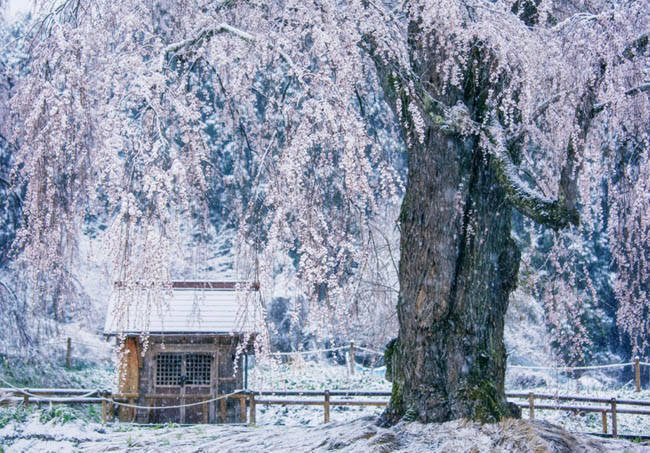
(192, 338)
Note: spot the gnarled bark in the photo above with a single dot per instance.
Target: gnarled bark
(458, 266)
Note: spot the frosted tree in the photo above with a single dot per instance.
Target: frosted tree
(501, 105)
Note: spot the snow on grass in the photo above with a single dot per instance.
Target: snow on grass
(303, 374)
(315, 375)
(359, 435)
(592, 421)
(56, 436)
(100, 377)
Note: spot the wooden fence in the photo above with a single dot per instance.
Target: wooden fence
(533, 402)
(612, 405)
(557, 402)
(64, 345)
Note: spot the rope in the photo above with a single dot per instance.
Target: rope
(313, 351)
(368, 350)
(644, 363)
(135, 406)
(572, 368)
(42, 397)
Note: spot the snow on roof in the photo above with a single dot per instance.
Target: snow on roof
(188, 308)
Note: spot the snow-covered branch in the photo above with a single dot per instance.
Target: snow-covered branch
(533, 204)
(207, 33)
(600, 106)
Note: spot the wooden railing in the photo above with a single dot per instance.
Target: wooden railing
(326, 402)
(611, 405)
(44, 395)
(329, 398)
(558, 404)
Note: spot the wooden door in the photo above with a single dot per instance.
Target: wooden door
(197, 371)
(183, 378)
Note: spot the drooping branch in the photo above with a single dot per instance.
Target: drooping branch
(11, 189)
(598, 107)
(539, 111)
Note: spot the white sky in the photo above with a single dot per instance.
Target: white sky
(18, 7)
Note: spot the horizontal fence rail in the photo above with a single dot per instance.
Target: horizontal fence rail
(608, 407)
(55, 392)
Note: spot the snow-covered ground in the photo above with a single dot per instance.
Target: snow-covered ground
(359, 435)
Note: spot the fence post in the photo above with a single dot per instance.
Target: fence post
(352, 357)
(604, 414)
(327, 406)
(251, 417)
(223, 410)
(614, 427)
(242, 409)
(68, 350)
(531, 406)
(25, 399)
(637, 373)
(104, 411)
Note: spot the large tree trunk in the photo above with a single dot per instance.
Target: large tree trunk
(458, 262)
(458, 266)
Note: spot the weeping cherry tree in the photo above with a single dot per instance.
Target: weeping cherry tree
(502, 105)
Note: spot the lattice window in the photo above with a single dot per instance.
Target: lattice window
(174, 369)
(168, 369)
(198, 369)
